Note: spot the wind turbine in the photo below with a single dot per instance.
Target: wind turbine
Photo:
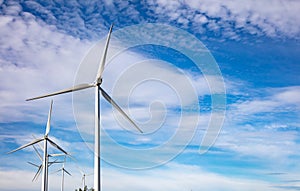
(41, 165)
(97, 85)
(84, 175)
(46, 139)
(38, 166)
(63, 171)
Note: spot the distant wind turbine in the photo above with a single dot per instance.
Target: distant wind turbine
(41, 165)
(63, 171)
(97, 85)
(84, 175)
(46, 139)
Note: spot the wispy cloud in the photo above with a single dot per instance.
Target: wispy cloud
(229, 19)
(253, 129)
(274, 100)
(34, 60)
(178, 177)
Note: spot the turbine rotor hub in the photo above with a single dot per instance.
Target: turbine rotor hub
(99, 81)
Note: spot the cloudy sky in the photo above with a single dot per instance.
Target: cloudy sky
(214, 85)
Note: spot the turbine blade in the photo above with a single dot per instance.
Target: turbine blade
(56, 146)
(49, 119)
(37, 174)
(54, 162)
(72, 89)
(103, 58)
(41, 147)
(33, 164)
(67, 172)
(62, 154)
(56, 155)
(79, 169)
(26, 145)
(115, 105)
(37, 153)
(56, 171)
(71, 157)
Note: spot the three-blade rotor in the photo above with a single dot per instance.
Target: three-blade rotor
(96, 83)
(45, 138)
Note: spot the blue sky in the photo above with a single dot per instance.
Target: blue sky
(46, 46)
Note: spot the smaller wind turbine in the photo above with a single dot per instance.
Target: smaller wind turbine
(83, 178)
(50, 163)
(63, 171)
(37, 174)
(40, 167)
(46, 139)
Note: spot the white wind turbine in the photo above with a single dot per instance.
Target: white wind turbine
(97, 85)
(46, 139)
(40, 167)
(84, 175)
(63, 171)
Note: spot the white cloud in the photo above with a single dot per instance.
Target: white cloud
(178, 177)
(289, 95)
(275, 18)
(259, 145)
(10, 177)
(256, 106)
(272, 18)
(281, 99)
(252, 127)
(35, 59)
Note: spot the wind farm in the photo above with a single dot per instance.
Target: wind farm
(186, 95)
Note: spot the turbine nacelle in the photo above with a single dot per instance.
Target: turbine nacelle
(98, 82)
